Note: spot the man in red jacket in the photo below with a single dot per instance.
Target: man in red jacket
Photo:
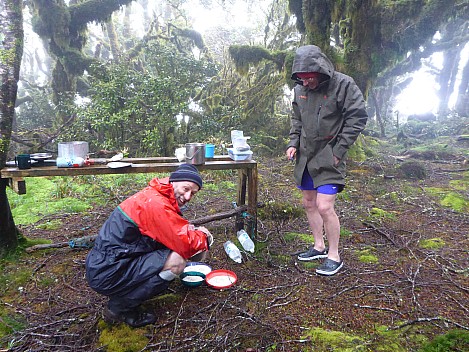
(144, 245)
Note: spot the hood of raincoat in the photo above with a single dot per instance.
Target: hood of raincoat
(310, 58)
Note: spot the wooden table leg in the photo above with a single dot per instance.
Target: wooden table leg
(252, 199)
(17, 184)
(241, 199)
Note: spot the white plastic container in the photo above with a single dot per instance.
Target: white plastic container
(245, 241)
(239, 155)
(233, 251)
(73, 149)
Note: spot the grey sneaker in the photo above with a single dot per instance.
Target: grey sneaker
(329, 267)
(312, 254)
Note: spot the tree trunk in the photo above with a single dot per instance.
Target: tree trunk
(378, 107)
(11, 52)
(462, 101)
(447, 79)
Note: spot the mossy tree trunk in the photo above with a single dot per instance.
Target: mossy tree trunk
(11, 52)
(64, 28)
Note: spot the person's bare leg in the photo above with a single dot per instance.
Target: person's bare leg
(325, 207)
(315, 219)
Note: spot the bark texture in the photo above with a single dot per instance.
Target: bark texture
(11, 51)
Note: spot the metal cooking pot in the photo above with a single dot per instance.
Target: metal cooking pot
(195, 153)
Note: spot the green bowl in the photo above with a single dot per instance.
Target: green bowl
(192, 278)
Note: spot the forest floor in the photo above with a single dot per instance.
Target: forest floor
(404, 281)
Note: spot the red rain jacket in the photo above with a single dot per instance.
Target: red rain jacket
(156, 213)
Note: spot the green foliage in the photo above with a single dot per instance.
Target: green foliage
(138, 109)
(356, 153)
(454, 340)
(432, 243)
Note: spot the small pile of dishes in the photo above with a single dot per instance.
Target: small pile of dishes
(196, 273)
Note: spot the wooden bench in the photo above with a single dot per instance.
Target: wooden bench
(246, 184)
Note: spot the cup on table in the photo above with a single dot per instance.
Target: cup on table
(23, 161)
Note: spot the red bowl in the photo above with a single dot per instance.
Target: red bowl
(221, 279)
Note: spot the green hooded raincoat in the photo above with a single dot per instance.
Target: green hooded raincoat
(326, 121)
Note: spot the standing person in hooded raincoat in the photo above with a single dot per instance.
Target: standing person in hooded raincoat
(144, 245)
(328, 115)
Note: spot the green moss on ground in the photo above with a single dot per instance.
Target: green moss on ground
(432, 243)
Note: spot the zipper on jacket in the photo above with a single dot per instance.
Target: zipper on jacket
(319, 111)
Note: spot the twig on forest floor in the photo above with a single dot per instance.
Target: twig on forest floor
(282, 304)
(426, 320)
(380, 232)
(177, 319)
(379, 308)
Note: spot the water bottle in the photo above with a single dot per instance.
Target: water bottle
(232, 251)
(245, 241)
(70, 162)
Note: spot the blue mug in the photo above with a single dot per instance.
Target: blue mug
(23, 161)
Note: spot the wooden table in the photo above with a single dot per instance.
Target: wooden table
(247, 175)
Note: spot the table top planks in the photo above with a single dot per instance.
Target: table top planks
(139, 165)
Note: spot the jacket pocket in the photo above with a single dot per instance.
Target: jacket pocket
(324, 160)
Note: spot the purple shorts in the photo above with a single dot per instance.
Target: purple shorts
(307, 184)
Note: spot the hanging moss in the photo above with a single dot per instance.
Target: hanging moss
(246, 55)
(195, 36)
(288, 64)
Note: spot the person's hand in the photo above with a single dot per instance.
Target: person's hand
(207, 233)
(336, 161)
(291, 152)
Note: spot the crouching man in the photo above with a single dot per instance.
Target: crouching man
(144, 245)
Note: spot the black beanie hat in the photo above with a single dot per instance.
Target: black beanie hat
(186, 172)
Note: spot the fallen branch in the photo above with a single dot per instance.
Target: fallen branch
(219, 216)
(455, 170)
